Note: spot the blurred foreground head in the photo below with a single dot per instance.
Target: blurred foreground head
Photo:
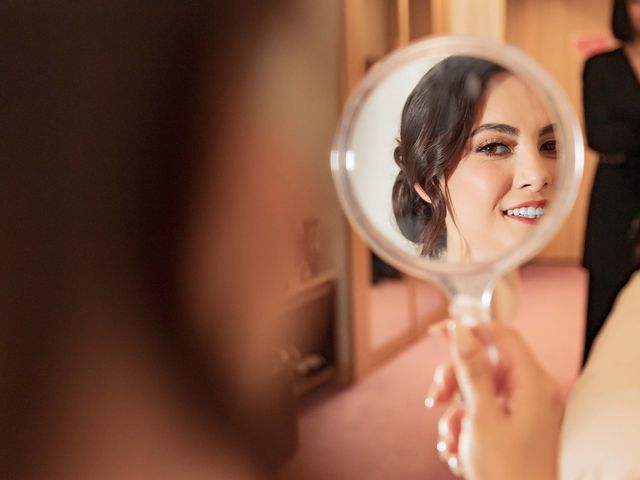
(141, 254)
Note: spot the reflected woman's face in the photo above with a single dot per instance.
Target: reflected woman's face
(504, 180)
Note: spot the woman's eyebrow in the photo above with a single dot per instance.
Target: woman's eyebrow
(499, 127)
(548, 129)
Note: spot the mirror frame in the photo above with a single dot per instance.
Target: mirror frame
(554, 99)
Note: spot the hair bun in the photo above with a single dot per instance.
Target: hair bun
(399, 158)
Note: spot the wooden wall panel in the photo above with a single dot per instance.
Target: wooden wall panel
(478, 17)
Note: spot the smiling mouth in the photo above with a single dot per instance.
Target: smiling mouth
(529, 212)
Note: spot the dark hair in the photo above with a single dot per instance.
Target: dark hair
(436, 123)
(620, 23)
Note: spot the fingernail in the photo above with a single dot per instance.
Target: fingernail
(463, 338)
(443, 428)
(441, 446)
(438, 376)
(494, 356)
(436, 386)
(454, 466)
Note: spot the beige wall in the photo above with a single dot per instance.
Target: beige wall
(477, 17)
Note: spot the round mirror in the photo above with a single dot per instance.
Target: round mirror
(457, 159)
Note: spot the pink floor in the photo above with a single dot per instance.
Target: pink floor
(379, 429)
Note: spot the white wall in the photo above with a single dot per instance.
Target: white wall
(374, 138)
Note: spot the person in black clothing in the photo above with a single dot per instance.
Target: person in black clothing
(611, 97)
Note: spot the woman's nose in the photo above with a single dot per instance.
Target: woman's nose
(534, 172)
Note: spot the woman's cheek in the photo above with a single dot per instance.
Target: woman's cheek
(477, 190)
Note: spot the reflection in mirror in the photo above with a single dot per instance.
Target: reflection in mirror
(477, 159)
(454, 159)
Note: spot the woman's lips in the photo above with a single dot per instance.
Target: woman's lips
(526, 212)
(530, 221)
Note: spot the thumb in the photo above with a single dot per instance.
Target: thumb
(474, 371)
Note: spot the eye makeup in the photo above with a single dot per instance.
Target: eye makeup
(495, 147)
(499, 146)
(548, 148)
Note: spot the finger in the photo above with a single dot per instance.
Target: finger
(449, 427)
(473, 370)
(454, 465)
(444, 386)
(512, 348)
(517, 363)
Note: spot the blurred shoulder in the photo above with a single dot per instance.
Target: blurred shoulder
(600, 436)
(601, 428)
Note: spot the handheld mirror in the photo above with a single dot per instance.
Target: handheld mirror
(457, 159)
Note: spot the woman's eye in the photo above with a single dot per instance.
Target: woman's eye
(494, 149)
(549, 147)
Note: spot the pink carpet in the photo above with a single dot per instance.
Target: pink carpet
(378, 429)
(390, 315)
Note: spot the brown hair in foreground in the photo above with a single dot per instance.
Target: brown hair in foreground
(133, 265)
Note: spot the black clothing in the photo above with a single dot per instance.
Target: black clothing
(611, 97)
(611, 103)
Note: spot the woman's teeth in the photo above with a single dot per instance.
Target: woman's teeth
(527, 212)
